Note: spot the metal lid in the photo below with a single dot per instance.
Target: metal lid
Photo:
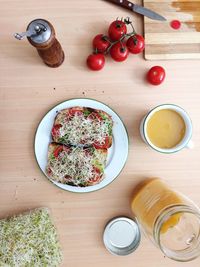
(121, 236)
(40, 29)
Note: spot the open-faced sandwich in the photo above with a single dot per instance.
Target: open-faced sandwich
(81, 138)
(81, 125)
(77, 166)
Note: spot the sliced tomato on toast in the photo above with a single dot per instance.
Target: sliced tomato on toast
(94, 116)
(97, 176)
(60, 148)
(76, 123)
(106, 144)
(77, 166)
(55, 130)
(75, 111)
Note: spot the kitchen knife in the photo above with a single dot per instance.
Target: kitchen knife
(138, 9)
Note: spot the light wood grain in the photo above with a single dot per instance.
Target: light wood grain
(28, 89)
(163, 36)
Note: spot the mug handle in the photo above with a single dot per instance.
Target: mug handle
(190, 145)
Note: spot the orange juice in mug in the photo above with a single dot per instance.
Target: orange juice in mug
(167, 128)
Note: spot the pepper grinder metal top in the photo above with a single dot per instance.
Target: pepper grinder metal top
(41, 34)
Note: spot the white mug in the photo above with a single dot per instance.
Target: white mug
(185, 142)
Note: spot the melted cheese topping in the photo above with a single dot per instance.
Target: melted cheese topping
(77, 166)
(84, 130)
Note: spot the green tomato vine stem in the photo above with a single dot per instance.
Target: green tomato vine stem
(126, 35)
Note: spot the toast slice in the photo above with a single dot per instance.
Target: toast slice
(83, 125)
(76, 166)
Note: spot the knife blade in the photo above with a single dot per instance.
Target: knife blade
(138, 9)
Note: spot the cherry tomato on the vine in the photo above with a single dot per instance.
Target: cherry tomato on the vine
(135, 44)
(119, 52)
(96, 61)
(101, 43)
(156, 75)
(116, 30)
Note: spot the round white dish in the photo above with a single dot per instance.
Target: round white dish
(117, 154)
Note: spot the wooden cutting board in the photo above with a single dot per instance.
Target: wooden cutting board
(162, 41)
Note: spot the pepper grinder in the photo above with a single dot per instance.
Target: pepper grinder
(41, 34)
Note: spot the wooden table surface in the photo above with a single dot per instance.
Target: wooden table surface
(29, 89)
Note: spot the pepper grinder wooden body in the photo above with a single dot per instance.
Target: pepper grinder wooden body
(48, 47)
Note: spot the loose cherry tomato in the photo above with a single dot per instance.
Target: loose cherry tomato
(156, 75)
(55, 129)
(96, 61)
(119, 52)
(101, 43)
(116, 30)
(106, 144)
(135, 44)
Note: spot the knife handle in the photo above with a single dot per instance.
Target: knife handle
(123, 3)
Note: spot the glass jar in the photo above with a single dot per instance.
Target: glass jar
(168, 218)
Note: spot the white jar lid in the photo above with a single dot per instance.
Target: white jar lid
(121, 236)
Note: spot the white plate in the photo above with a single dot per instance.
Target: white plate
(117, 154)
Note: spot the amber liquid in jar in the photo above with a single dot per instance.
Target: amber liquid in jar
(168, 218)
(150, 198)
